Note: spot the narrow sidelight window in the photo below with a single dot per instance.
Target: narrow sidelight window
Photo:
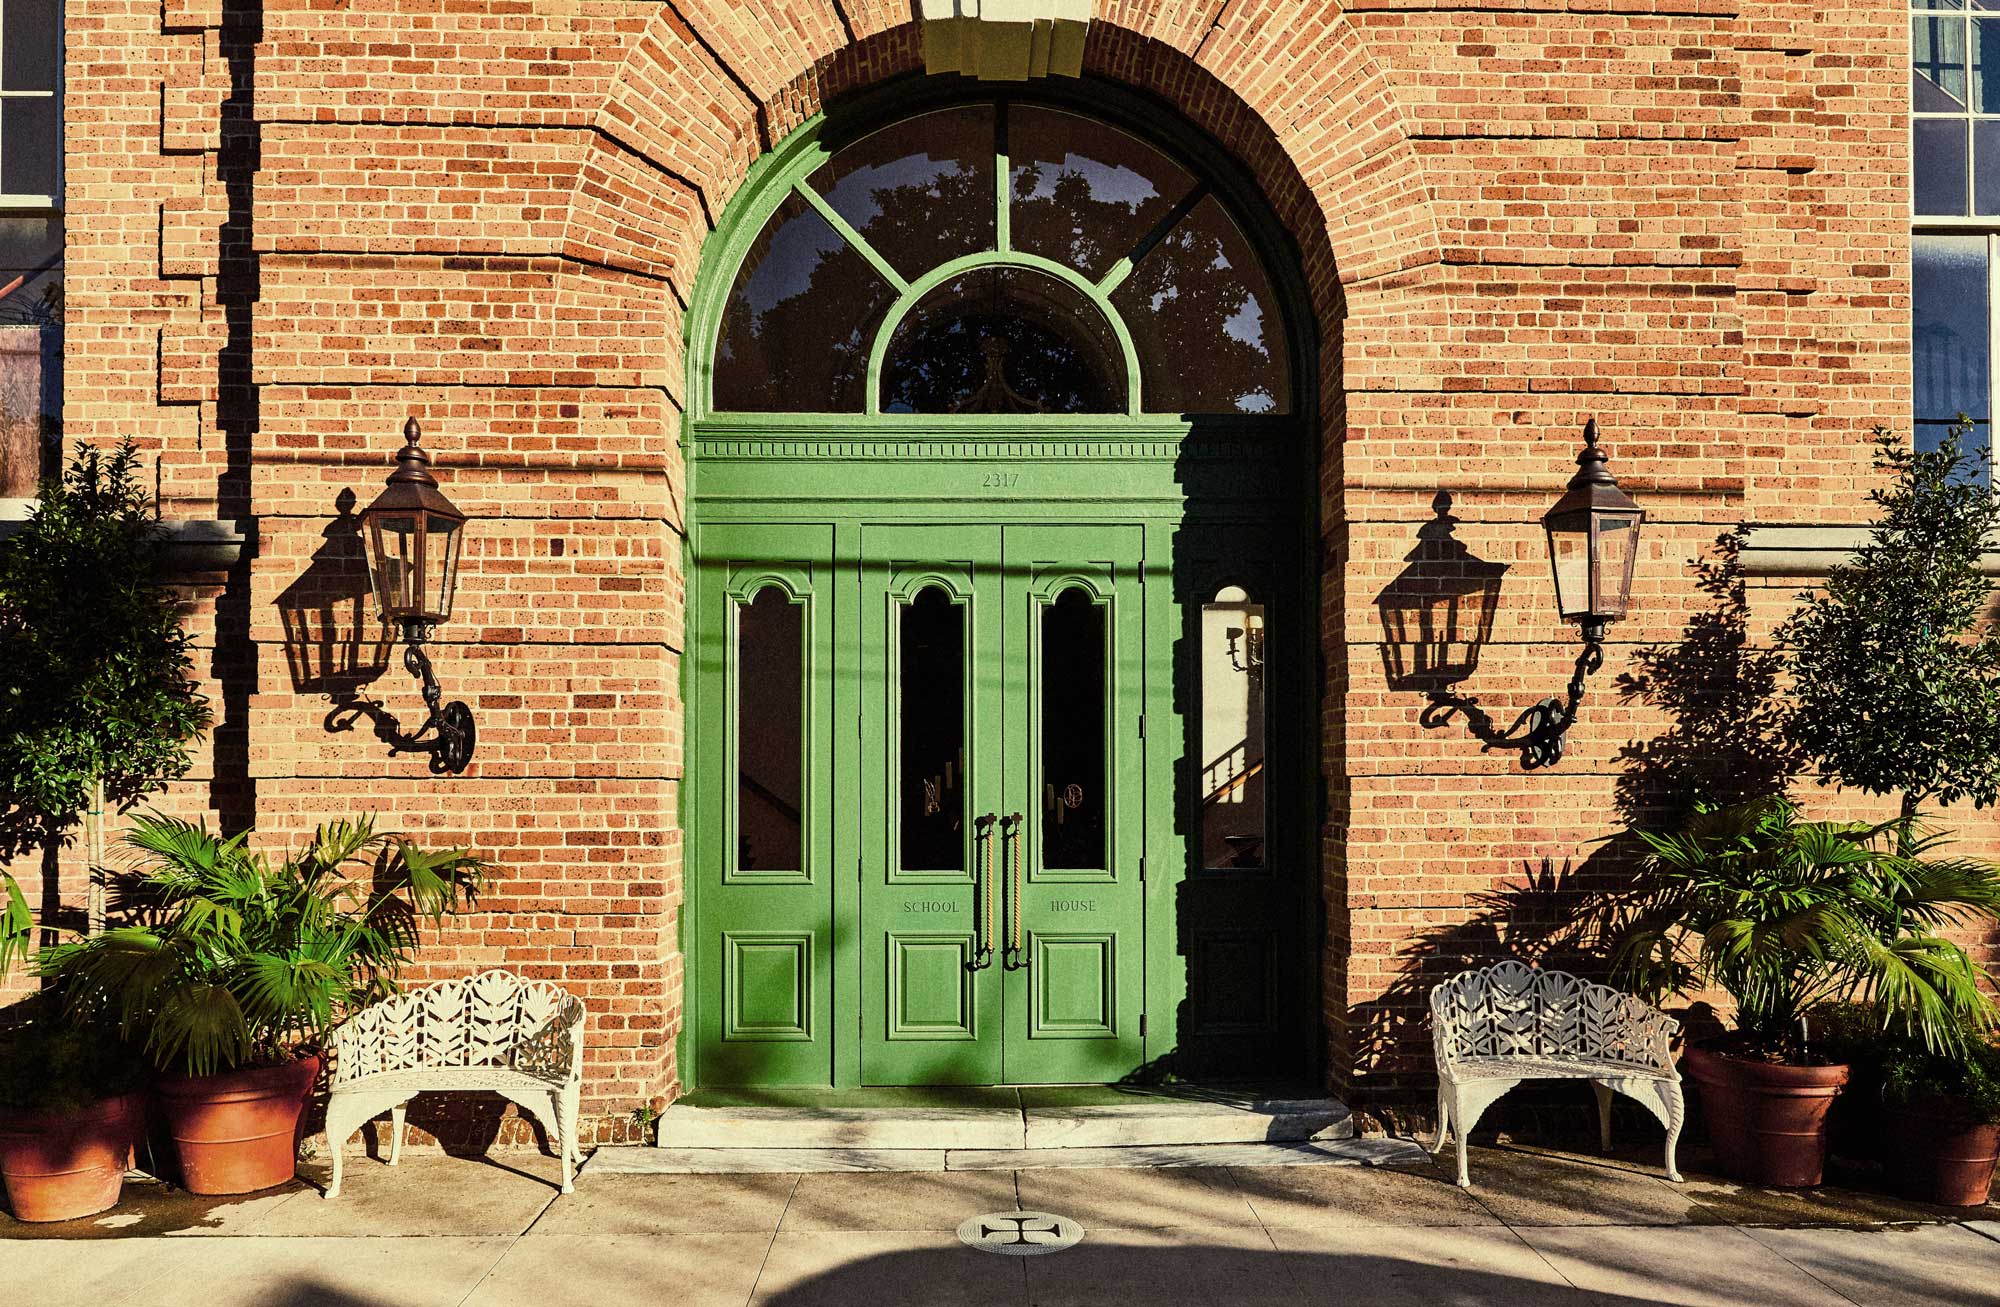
(1074, 774)
(1232, 731)
(931, 717)
(770, 732)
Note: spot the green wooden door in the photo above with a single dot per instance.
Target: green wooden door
(1002, 803)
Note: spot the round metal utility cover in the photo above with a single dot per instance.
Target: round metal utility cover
(1020, 1234)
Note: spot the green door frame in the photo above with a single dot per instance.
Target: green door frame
(830, 473)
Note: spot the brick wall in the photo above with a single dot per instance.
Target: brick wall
(294, 223)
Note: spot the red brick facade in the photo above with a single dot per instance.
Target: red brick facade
(293, 223)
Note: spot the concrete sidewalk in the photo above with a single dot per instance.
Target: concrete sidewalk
(1538, 1228)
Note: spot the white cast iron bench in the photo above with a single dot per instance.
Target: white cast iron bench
(1495, 1027)
(522, 1039)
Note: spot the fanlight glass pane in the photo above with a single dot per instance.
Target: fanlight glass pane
(1232, 731)
(919, 191)
(800, 320)
(1004, 340)
(770, 732)
(1081, 193)
(1617, 549)
(1569, 550)
(931, 728)
(1205, 322)
(393, 565)
(1074, 772)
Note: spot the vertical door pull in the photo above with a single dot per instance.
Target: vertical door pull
(1010, 831)
(982, 893)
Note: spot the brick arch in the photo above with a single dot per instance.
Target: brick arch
(710, 85)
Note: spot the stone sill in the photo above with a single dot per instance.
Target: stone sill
(195, 547)
(1815, 550)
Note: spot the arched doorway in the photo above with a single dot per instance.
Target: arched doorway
(1000, 668)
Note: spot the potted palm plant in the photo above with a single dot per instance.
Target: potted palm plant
(235, 966)
(1789, 916)
(1942, 1113)
(70, 1108)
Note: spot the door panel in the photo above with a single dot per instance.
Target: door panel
(764, 596)
(1074, 671)
(930, 765)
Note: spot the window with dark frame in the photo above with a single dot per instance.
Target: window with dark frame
(31, 242)
(1955, 202)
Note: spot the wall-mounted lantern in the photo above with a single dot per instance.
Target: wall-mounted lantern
(1593, 545)
(413, 535)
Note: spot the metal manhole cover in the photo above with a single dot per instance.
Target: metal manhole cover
(1020, 1234)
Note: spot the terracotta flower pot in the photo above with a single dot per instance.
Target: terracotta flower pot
(62, 1165)
(1938, 1157)
(237, 1131)
(1766, 1122)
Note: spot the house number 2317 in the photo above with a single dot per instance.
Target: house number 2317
(1000, 481)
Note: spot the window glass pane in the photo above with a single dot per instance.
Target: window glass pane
(1986, 65)
(28, 145)
(1004, 340)
(1074, 775)
(770, 732)
(1232, 731)
(30, 349)
(1941, 164)
(1937, 65)
(800, 320)
(921, 192)
(28, 45)
(1945, 4)
(931, 722)
(1205, 322)
(1976, 444)
(1082, 193)
(1986, 176)
(1948, 293)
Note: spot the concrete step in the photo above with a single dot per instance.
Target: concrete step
(635, 1160)
(1006, 1119)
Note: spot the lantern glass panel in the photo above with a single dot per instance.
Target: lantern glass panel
(1611, 578)
(1569, 550)
(394, 563)
(441, 565)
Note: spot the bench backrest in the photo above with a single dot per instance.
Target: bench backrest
(1512, 1009)
(495, 1018)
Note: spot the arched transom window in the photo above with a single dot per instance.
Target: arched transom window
(1000, 258)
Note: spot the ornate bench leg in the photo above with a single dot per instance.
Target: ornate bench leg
(1676, 1114)
(396, 1131)
(1603, 1092)
(565, 1114)
(1444, 1119)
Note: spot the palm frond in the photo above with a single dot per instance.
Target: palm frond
(17, 925)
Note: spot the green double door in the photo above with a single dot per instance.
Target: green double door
(1001, 782)
(929, 822)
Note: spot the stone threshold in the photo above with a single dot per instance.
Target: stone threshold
(980, 1120)
(637, 1159)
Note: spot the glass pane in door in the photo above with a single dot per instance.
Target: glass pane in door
(1073, 712)
(931, 717)
(770, 731)
(1232, 730)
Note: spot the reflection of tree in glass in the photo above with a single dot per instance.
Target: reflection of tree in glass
(943, 364)
(1101, 230)
(1202, 327)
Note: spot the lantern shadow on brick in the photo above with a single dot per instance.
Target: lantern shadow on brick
(335, 640)
(1437, 614)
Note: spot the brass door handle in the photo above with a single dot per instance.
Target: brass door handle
(1011, 826)
(982, 893)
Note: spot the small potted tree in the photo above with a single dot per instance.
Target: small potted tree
(240, 967)
(97, 707)
(1789, 916)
